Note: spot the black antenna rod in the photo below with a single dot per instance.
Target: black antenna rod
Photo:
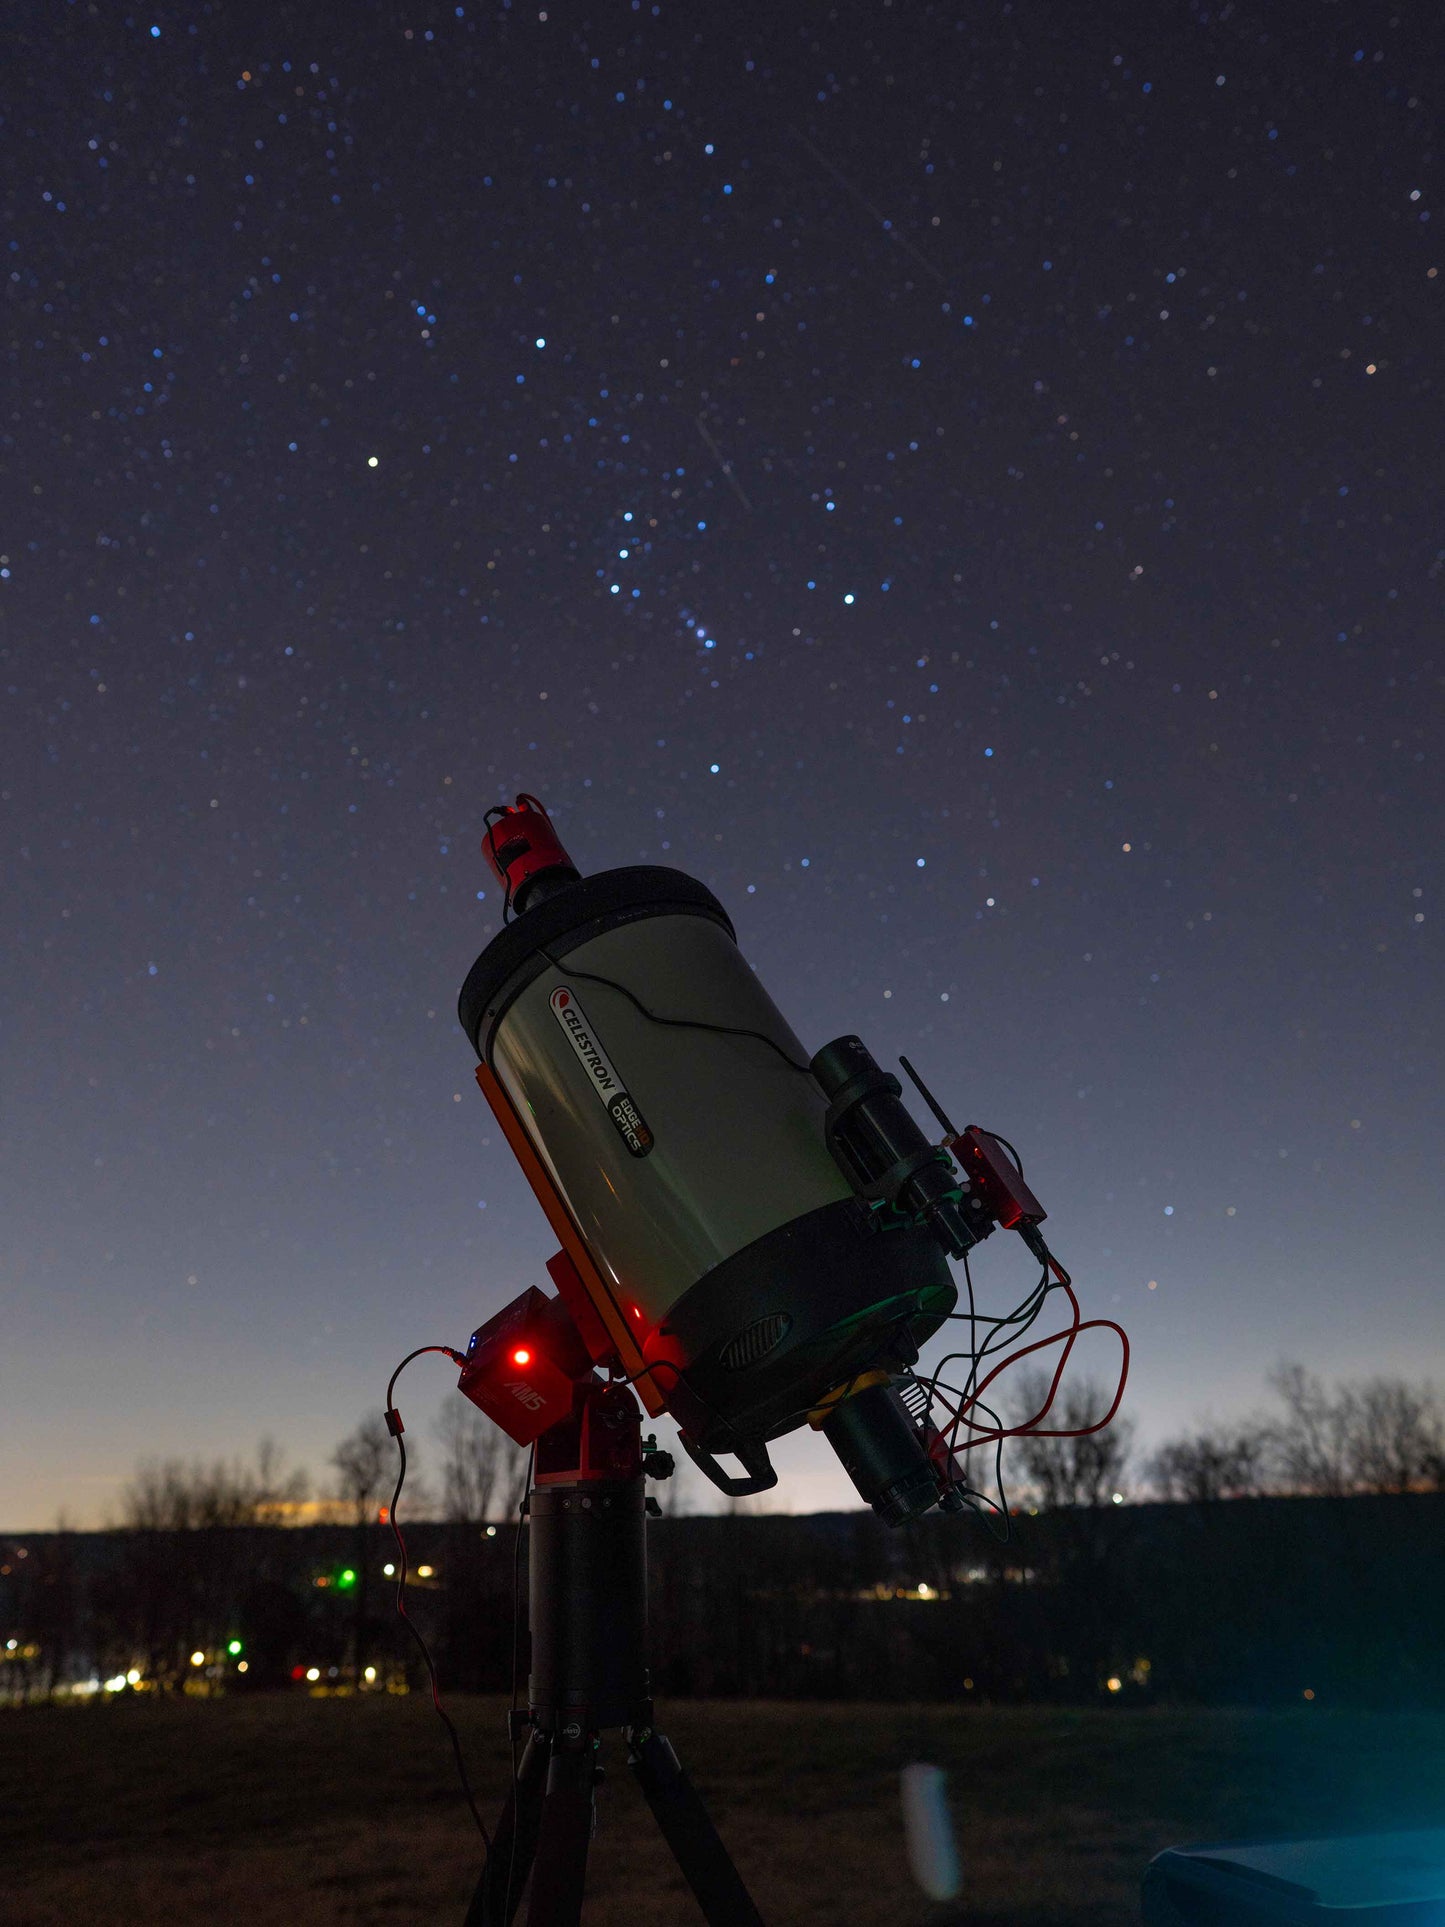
(928, 1097)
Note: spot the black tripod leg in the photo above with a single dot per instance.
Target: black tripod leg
(694, 1840)
(513, 1844)
(560, 1871)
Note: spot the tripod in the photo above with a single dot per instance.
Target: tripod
(587, 1610)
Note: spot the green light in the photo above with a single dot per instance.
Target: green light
(346, 1580)
(234, 1648)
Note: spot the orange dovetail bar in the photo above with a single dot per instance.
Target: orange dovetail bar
(559, 1218)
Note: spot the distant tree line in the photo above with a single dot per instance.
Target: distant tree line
(1300, 1554)
(1372, 1435)
(1366, 1435)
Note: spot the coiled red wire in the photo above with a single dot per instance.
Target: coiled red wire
(948, 1440)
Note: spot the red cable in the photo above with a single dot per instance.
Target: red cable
(948, 1438)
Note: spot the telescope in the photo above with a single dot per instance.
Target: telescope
(751, 1240)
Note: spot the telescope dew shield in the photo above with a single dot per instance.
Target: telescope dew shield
(687, 1168)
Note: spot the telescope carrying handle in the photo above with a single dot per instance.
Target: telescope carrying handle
(752, 1455)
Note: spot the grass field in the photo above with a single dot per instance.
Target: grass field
(272, 1810)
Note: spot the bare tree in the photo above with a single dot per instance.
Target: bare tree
(174, 1495)
(365, 1465)
(1366, 1435)
(1372, 1435)
(159, 1497)
(1310, 1444)
(185, 1556)
(1215, 1462)
(276, 1492)
(483, 1472)
(1395, 1435)
(1079, 1471)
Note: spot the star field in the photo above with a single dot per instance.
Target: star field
(962, 482)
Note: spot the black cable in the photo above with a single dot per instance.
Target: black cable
(1001, 1507)
(681, 1023)
(667, 1364)
(975, 1498)
(394, 1426)
(788, 1418)
(590, 976)
(781, 1425)
(998, 1482)
(1025, 1315)
(1007, 1146)
(899, 1326)
(836, 1396)
(972, 1323)
(1004, 1331)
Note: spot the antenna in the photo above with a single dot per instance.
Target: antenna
(928, 1097)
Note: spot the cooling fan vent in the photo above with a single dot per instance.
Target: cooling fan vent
(916, 1398)
(755, 1341)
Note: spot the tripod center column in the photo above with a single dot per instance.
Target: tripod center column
(587, 1569)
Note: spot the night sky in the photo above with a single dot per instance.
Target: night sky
(963, 481)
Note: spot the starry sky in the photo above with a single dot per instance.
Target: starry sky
(962, 480)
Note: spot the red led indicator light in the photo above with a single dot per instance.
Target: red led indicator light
(521, 1357)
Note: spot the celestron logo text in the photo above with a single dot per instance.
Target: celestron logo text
(630, 1124)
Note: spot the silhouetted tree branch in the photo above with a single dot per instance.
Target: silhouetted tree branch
(1362, 1435)
(1084, 1471)
(482, 1470)
(365, 1464)
(1216, 1462)
(172, 1495)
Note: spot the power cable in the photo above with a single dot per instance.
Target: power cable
(394, 1426)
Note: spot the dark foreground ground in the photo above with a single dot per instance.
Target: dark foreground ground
(297, 1810)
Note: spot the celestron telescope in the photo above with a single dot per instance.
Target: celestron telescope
(751, 1240)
